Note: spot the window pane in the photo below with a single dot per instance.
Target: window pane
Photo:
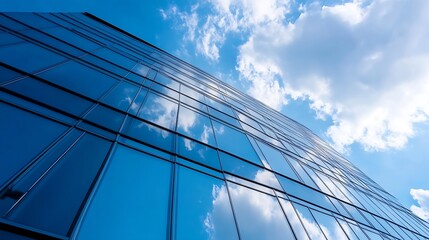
(293, 218)
(195, 125)
(329, 226)
(276, 160)
(198, 152)
(259, 215)
(234, 141)
(121, 96)
(309, 223)
(53, 203)
(159, 110)
(51, 96)
(80, 78)
(202, 207)
(7, 74)
(148, 133)
(246, 170)
(22, 56)
(23, 136)
(131, 201)
(106, 117)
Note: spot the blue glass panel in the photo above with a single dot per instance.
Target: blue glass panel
(195, 125)
(23, 136)
(305, 193)
(202, 207)
(219, 106)
(51, 96)
(55, 200)
(159, 110)
(329, 226)
(309, 223)
(215, 113)
(31, 19)
(246, 170)
(294, 220)
(148, 133)
(72, 38)
(141, 69)
(135, 106)
(165, 91)
(121, 96)
(131, 201)
(276, 160)
(22, 56)
(235, 142)
(166, 81)
(198, 152)
(114, 57)
(259, 215)
(7, 74)
(106, 117)
(191, 102)
(80, 78)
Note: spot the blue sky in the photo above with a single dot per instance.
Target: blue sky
(355, 72)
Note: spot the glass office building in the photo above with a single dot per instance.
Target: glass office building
(104, 136)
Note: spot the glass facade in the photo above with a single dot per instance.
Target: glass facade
(104, 136)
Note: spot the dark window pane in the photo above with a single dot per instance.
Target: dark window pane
(195, 125)
(72, 38)
(198, 152)
(7, 74)
(202, 207)
(80, 78)
(148, 133)
(234, 141)
(53, 203)
(23, 136)
(259, 215)
(131, 201)
(114, 57)
(51, 96)
(106, 117)
(28, 57)
(159, 110)
(121, 96)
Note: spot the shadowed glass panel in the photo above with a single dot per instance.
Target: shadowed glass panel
(131, 201)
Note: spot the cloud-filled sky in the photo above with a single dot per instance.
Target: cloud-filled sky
(355, 72)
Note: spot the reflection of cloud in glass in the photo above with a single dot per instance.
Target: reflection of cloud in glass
(195, 125)
(160, 111)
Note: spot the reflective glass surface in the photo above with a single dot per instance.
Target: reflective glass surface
(138, 185)
(202, 209)
(193, 157)
(234, 141)
(195, 125)
(259, 216)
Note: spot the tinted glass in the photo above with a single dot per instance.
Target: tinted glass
(84, 80)
(195, 125)
(234, 141)
(22, 56)
(106, 117)
(148, 133)
(309, 223)
(51, 96)
(159, 110)
(259, 215)
(329, 226)
(53, 203)
(121, 96)
(20, 140)
(276, 160)
(198, 152)
(202, 208)
(131, 201)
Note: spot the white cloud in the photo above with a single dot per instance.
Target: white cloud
(364, 65)
(422, 198)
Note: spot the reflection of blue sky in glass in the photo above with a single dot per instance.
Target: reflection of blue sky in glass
(202, 209)
(137, 185)
(195, 125)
